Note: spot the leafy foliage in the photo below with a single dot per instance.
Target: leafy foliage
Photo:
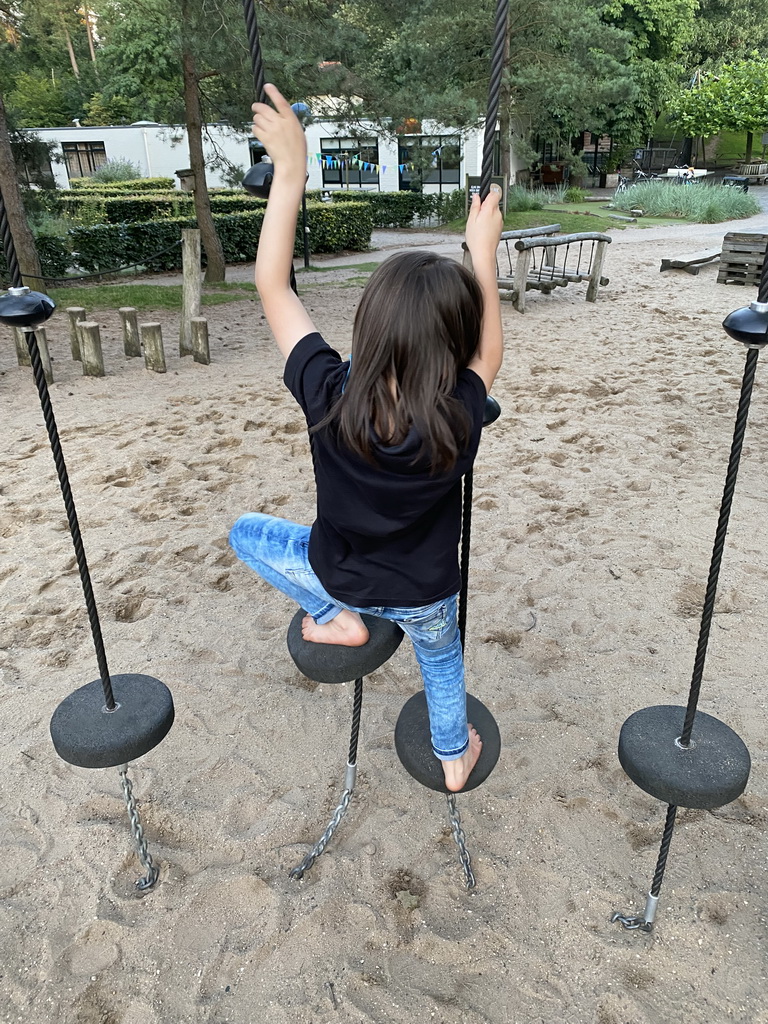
(116, 170)
(734, 98)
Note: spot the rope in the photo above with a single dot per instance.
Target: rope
(103, 273)
(61, 469)
(357, 709)
(666, 839)
(494, 94)
(717, 551)
(249, 10)
(494, 98)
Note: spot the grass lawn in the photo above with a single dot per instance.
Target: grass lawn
(146, 296)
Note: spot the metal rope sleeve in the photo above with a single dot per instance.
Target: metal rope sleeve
(254, 45)
(494, 94)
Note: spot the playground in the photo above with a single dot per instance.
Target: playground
(596, 498)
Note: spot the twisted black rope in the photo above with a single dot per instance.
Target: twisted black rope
(357, 709)
(103, 273)
(254, 46)
(61, 469)
(466, 530)
(717, 552)
(494, 99)
(666, 839)
(494, 94)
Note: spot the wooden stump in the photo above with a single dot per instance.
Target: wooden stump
(76, 315)
(23, 357)
(42, 345)
(154, 353)
(200, 347)
(131, 339)
(191, 287)
(90, 348)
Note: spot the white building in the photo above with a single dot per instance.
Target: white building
(338, 156)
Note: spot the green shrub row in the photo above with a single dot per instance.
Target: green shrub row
(104, 246)
(400, 209)
(699, 202)
(55, 258)
(137, 185)
(89, 209)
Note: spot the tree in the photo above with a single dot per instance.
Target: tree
(733, 98)
(24, 242)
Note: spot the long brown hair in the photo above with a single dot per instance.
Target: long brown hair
(417, 326)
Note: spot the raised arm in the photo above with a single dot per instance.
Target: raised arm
(484, 226)
(281, 134)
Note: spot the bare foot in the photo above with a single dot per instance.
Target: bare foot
(346, 630)
(457, 772)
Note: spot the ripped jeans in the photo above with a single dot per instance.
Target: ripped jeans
(277, 550)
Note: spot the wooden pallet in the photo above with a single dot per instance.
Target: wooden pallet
(742, 258)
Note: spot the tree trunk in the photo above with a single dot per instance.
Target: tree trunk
(70, 48)
(748, 154)
(215, 269)
(23, 240)
(89, 30)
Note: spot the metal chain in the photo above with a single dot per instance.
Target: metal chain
(458, 834)
(138, 833)
(632, 922)
(320, 845)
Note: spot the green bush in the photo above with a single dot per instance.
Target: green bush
(702, 203)
(391, 209)
(575, 195)
(55, 258)
(117, 170)
(106, 246)
(134, 185)
(450, 206)
(520, 199)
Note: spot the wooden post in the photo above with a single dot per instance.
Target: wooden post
(521, 278)
(200, 348)
(190, 288)
(597, 271)
(90, 348)
(23, 357)
(42, 344)
(76, 315)
(131, 339)
(154, 353)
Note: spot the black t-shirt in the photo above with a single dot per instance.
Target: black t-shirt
(385, 534)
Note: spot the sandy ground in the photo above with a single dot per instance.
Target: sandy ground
(596, 498)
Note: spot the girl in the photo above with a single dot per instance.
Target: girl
(393, 431)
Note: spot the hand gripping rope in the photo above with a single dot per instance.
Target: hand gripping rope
(113, 719)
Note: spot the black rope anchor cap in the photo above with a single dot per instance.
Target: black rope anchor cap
(20, 307)
(87, 734)
(258, 179)
(749, 325)
(413, 743)
(333, 663)
(710, 772)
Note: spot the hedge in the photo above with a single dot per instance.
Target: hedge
(89, 209)
(55, 258)
(104, 246)
(137, 185)
(399, 209)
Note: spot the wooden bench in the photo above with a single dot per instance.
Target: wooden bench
(546, 262)
(692, 262)
(754, 173)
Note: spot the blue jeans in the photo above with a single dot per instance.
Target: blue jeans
(277, 550)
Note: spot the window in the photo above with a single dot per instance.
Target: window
(83, 158)
(350, 163)
(429, 160)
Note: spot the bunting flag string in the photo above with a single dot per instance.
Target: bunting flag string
(337, 163)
